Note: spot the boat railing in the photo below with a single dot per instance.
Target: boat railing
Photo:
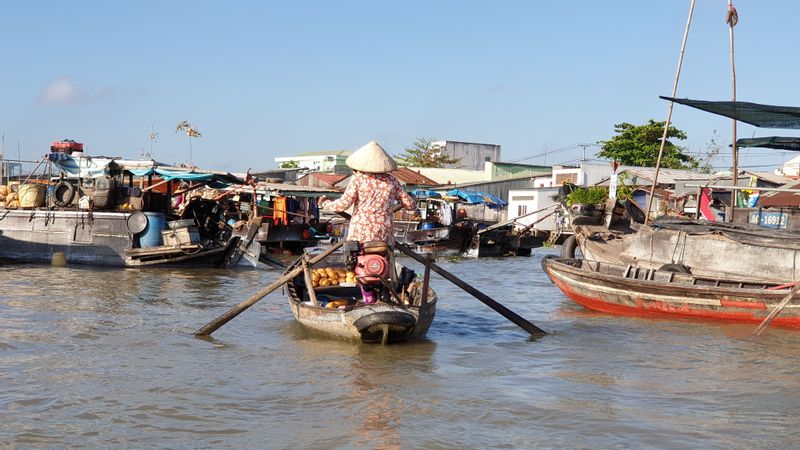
(638, 273)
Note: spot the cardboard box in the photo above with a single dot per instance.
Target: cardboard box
(181, 236)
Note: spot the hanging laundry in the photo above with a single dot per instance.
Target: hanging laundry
(279, 216)
(445, 214)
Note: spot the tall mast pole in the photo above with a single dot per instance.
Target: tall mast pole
(669, 114)
(732, 18)
(2, 155)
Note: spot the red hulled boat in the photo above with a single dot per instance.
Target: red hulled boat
(633, 291)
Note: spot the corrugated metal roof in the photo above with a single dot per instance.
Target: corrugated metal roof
(772, 178)
(330, 178)
(289, 189)
(406, 177)
(781, 199)
(412, 177)
(451, 176)
(665, 176)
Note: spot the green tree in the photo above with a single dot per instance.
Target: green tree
(290, 164)
(638, 145)
(424, 154)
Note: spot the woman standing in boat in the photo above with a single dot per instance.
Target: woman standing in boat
(372, 191)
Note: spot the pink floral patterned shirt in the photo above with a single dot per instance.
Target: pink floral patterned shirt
(373, 196)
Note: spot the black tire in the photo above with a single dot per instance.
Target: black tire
(63, 194)
(677, 268)
(396, 318)
(568, 247)
(634, 212)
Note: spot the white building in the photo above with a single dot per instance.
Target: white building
(525, 201)
(790, 168)
(323, 161)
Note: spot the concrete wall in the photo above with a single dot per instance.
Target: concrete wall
(525, 201)
(473, 156)
(498, 188)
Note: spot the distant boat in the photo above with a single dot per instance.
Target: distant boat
(635, 291)
(114, 212)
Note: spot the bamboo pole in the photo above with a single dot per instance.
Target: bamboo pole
(669, 114)
(732, 17)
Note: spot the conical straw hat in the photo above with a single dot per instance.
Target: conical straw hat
(371, 158)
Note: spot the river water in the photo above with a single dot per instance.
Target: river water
(101, 358)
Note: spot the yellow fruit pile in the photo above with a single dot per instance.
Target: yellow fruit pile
(331, 276)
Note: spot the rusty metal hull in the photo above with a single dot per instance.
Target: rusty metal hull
(376, 323)
(626, 290)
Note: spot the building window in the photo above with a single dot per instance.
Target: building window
(519, 198)
(522, 210)
(487, 159)
(562, 177)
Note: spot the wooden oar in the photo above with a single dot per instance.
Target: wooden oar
(774, 313)
(238, 309)
(505, 312)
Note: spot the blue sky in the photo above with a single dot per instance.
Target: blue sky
(266, 79)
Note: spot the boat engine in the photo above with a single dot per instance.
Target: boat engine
(370, 262)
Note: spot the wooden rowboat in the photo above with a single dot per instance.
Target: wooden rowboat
(341, 313)
(627, 290)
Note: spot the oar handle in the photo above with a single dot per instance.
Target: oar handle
(490, 302)
(238, 309)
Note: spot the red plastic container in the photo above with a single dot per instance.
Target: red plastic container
(66, 146)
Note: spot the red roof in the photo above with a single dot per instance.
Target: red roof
(778, 199)
(319, 179)
(330, 178)
(407, 176)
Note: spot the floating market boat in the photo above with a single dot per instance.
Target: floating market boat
(446, 227)
(116, 212)
(635, 291)
(364, 304)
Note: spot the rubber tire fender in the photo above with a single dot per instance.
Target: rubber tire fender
(568, 247)
(385, 317)
(63, 194)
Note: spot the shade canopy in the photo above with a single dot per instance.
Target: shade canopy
(774, 142)
(425, 193)
(762, 116)
(489, 200)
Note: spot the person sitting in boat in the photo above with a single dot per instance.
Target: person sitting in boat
(372, 191)
(228, 215)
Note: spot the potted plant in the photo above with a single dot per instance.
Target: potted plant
(588, 201)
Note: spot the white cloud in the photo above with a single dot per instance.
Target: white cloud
(63, 91)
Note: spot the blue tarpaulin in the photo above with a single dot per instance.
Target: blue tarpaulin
(210, 179)
(425, 193)
(489, 200)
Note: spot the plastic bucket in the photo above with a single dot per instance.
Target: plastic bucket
(151, 236)
(30, 195)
